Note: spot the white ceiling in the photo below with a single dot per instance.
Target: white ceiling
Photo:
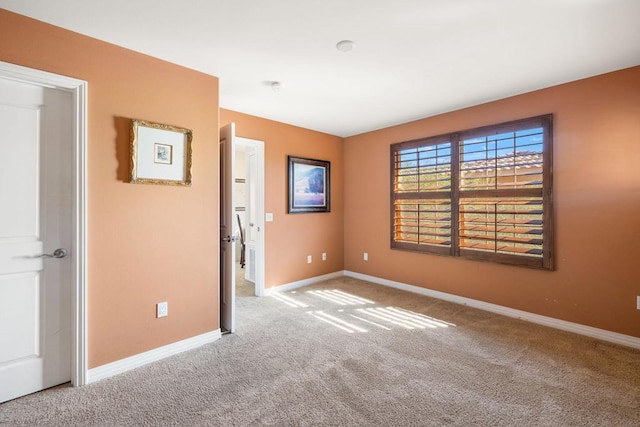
(412, 58)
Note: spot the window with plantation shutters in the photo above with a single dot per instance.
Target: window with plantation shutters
(422, 195)
(481, 194)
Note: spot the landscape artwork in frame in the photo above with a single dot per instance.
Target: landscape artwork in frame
(309, 185)
(160, 154)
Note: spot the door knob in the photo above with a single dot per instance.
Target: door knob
(228, 239)
(58, 253)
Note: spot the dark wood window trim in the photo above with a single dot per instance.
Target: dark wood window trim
(482, 194)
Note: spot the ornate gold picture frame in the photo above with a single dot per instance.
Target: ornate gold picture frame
(160, 154)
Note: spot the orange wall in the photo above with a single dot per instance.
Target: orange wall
(291, 237)
(596, 196)
(135, 261)
(147, 243)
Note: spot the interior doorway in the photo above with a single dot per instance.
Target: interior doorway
(242, 215)
(245, 202)
(42, 231)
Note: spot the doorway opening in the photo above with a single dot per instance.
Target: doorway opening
(242, 237)
(244, 183)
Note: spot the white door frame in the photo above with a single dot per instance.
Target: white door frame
(78, 89)
(258, 146)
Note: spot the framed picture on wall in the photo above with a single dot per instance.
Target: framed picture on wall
(309, 185)
(160, 154)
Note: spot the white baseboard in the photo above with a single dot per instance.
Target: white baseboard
(576, 328)
(154, 355)
(304, 282)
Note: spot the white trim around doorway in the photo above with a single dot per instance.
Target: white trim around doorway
(78, 89)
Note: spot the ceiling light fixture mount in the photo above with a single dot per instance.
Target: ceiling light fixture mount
(345, 45)
(276, 86)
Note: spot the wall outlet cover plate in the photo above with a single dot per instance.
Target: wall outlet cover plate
(162, 309)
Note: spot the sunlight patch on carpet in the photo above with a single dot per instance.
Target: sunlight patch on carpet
(370, 322)
(291, 302)
(340, 298)
(336, 321)
(356, 314)
(380, 317)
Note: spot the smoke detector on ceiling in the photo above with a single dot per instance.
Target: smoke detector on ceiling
(345, 45)
(276, 86)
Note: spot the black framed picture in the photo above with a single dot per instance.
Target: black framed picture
(309, 185)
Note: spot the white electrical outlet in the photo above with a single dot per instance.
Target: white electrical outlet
(365, 256)
(268, 217)
(324, 256)
(309, 259)
(162, 309)
(638, 302)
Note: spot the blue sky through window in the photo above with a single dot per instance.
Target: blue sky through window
(501, 145)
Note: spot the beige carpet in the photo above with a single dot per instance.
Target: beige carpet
(348, 353)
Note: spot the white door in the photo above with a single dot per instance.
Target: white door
(36, 201)
(227, 239)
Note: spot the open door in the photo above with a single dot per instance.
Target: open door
(254, 227)
(227, 238)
